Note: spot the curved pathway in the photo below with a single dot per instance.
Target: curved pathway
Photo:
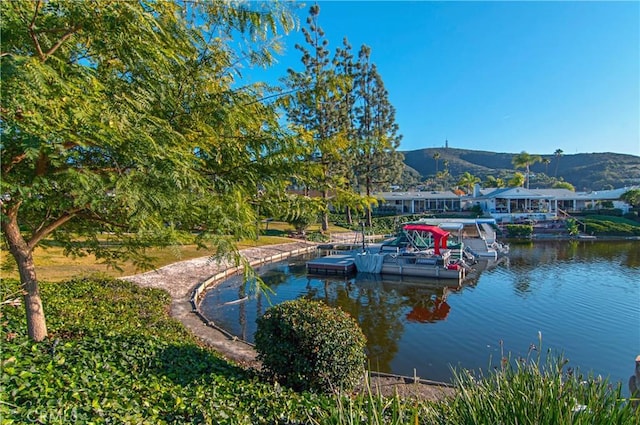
(184, 279)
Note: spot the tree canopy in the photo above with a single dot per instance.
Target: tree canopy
(525, 160)
(631, 197)
(342, 106)
(123, 122)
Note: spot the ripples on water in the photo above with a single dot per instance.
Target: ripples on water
(584, 298)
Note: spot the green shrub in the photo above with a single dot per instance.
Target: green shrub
(114, 356)
(307, 345)
(519, 230)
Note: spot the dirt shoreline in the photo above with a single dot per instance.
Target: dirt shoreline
(181, 279)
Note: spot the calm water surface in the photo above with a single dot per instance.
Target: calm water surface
(583, 298)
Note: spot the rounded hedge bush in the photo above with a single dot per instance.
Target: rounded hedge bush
(307, 345)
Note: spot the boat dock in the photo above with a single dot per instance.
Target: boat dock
(345, 264)
(332, 264)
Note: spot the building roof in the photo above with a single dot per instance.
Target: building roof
(510, 193)
(417, 195)
(606, 194)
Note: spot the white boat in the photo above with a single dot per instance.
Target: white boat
(477, 235)
(421, 251)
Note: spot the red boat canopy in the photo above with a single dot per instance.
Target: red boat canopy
(439, 235)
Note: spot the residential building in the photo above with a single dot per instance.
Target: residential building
(506, 204)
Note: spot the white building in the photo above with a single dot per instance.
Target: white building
(506, 203)
(421, 202)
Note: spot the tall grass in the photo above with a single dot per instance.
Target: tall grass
(533, 390)
(536, 390)
(371, 408)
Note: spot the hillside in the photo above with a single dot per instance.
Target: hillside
(585, 171)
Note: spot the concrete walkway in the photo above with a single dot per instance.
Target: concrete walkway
(182, 279)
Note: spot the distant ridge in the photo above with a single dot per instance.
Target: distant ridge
(585, 171)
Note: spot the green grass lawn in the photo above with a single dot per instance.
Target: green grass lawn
(53, 266)
(611, 226)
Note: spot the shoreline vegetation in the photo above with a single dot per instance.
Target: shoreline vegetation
(117, 353)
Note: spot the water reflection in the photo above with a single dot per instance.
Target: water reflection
(576, 293)
(382, 306)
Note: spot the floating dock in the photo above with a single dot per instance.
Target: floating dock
(332, 264)
(344, 264)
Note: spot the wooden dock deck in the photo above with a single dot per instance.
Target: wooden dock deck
(332, 264)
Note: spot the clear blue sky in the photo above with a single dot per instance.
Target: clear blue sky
(498, 76)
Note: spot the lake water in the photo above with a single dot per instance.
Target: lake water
(583, 298)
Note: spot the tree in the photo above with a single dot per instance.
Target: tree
(491, 181)
(517, 180)
(525, 160)
(563, 185)
(121, 125)
(546, 162)
(558, 153)
(376, 138)
(345, 67)
(445, 163)
(315, 109)
(631, 197)
(436, 157)
(468, 180)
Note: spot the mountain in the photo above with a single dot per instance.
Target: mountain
(585, 171)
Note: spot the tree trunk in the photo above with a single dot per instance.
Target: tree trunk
(23, 254)
(369, 218)
(325, 213)
(348, 216)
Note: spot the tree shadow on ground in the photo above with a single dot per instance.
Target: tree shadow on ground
(187, 363)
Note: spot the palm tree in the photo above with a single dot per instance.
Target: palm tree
(546, 162)
(468, 180)
(491, 181)
(436, 156)
(558, 153)
(525, 160)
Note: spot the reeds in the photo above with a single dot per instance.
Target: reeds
(371, 408)
(538, 389)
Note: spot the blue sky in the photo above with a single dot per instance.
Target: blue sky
(498, 76)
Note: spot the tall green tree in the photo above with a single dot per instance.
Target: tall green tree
(377, 136)
(517, 180)
(546, 162)
(491, 181)
(314, 108)
(122, 123)
(346, 196)
(436, 157)
(558, 154)
(525, 160)
(631, 197)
